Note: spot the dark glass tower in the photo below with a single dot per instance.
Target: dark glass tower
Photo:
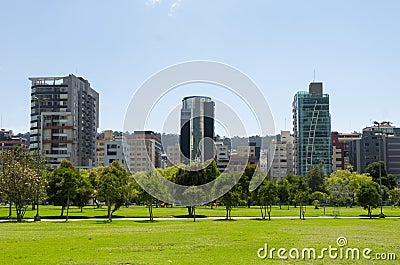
(312, 130)
(197, 129)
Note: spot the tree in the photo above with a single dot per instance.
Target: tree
(343, 184)
(394, 196)
(373, 170)
(299, 192)
(265, 196)
(244, 184)
(282, 187)
(315, 178)
(232, 195)
(169, 173)
(154, 184)
(354, 183)
(84, 190)
(63, 184)
(368, 196)
(112, 184)
(94, 174)
(318, 197)
(192, 195)
(19, 179)
(191, 175)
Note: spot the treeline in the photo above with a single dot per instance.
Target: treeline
(25, 181)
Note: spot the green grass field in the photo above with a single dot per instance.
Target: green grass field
(141, 211)
(186, 242)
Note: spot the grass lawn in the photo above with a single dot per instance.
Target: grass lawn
(141, 211)
(186, 242)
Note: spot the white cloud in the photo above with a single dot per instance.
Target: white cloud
(174, 7)
(152, 2)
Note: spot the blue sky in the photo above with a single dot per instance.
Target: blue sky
(352, 45)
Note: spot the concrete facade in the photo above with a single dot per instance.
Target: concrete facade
(64, 119)
(282, 163)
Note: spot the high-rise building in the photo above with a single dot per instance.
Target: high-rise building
(340, 149)
(312, 130)
(144, 151)
(197, 129)
(282, 163)
(64, 119)
(377, 143)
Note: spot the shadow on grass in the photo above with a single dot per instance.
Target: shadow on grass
(260, 219)
(146, 221)
(225, 220)
(188, 216)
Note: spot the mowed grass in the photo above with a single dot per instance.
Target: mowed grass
(185, 242)
(142, 211)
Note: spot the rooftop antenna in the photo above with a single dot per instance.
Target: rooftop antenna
(314, 76)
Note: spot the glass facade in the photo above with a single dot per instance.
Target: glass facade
(197, 124)
(312, 130)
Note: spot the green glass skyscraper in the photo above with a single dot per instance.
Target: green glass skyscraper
(312, 130)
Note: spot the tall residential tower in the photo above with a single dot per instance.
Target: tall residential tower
(64, 119)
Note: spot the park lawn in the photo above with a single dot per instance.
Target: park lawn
(141, 211)
(185, 242)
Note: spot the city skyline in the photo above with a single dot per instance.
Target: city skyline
(352, 47)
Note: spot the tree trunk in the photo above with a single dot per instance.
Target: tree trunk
(262, 213)
(194, 213)
(109, 211)
(227, 212)
(269, 212)
(280, 206)
(18, 210)
(190, 211)
(324, 209)
(300, 211)
(10, 210)
(62, 210)
(151, 212)
(369, 212)
(66, 219)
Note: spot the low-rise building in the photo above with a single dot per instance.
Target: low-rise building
(9, 141)
(110, 148)
(340, 149)
(282, 162)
